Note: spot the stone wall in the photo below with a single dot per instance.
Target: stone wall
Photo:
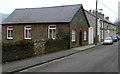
(38, 31)
(39, 47)
(50, 45)
(79, 24)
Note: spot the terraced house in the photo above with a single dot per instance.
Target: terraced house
(47, 22)
(105, 28)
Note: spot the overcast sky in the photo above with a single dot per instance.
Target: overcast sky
(8, 6)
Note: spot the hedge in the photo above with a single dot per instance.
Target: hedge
(17, 50)
(55, 45)
(23, 49)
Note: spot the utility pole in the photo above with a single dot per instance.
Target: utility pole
(118, 26)
(103, 31)
(96, 39)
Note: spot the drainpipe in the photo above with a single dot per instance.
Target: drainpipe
(69, 38)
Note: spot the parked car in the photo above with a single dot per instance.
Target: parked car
(108, 40)
(118, 37)
(115, 39)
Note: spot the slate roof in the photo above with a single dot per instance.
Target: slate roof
(43, 15)
(87, 14)
(91, 18)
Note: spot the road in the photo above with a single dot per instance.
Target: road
(102, 58)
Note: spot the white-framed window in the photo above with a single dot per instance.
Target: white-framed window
(27, 32)
(10, 32)
(52, 31)
(85, 35)
(73, 35)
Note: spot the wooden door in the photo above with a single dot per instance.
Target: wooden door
(80, 37)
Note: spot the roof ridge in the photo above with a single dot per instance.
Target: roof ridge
(43, 14)
(48, 7)
(90, 12)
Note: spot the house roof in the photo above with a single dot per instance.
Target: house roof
(91, 18)
(103, 19)
(43, 15)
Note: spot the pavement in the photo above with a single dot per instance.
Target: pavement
(19, 65)
(102, 58)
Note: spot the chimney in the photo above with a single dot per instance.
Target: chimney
(99, 14)
(107, 18)
(94, 11)
(102, 15)
(89, 10)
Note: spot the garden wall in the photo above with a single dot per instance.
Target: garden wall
(24, 49)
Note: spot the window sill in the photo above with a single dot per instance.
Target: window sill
(9, 38)
(52, 38)
(73, 41)
(27, 38)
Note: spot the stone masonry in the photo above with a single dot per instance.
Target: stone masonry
(39, 47)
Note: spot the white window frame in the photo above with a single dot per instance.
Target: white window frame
(9, 30)
(49, 28)
(85, 35)
(73, 35)
(29, 32)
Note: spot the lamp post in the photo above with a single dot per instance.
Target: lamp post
(96, 24)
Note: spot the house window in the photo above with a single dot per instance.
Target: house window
(9, 32)
(85, 35)
(73, 35)
(52, 31)
(27, 32)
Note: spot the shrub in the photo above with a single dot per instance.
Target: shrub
(24, 48)
(65, 36)
(55, 45)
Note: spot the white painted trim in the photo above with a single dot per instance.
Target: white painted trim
(8, 28)
(52, 31)
(85, 35)
(25, 27)
(73, 33)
